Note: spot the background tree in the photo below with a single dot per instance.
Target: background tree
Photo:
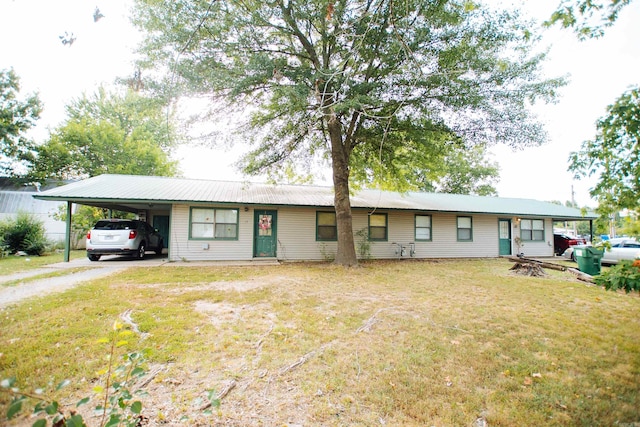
(84, 218)
(469, 172)
(612, 156)
(352, 79)
(109, 133)
(588, 18)
(453, 169)
(630, 225)
(16, 118)
(615, 148)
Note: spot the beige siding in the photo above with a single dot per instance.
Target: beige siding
(544, 248)
(181, 248)
(445, 242)
(296, 233)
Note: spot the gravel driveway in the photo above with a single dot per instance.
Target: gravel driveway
(14, 293)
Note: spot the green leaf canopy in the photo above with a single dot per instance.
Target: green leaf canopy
(612, 156)
(16, 118)
(109, 133)
(393, 73)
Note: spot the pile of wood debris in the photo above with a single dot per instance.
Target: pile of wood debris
(535, 268)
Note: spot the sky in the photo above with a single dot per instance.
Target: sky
(599, 71)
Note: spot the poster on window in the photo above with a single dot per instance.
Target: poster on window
(264, 225)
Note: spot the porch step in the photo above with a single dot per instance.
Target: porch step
(265, 261)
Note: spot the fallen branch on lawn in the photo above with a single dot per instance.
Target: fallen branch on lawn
(261, 340)
(144, 381)
(366, 327)
(581, 276)
(227, 388)
(297, 363)
(126, 318)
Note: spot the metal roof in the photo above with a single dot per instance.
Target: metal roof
(131, 189)
(16, 196)
(12, 202)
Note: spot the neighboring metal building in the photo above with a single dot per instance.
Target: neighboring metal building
(218, 220)
(18, 197)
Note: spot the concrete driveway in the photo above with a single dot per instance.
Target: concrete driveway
(107, 265)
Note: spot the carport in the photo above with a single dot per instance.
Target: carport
(157, 213)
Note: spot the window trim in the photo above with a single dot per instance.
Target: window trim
(415, 228)
(215, 209)
(335, 217)
(532, 229)
(386, 227)
(470, 239)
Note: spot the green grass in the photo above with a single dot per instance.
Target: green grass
(16, 264)
(409, 343)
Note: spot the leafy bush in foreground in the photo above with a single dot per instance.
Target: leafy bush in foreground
(23, 233)
(115, 399)
(624, 275)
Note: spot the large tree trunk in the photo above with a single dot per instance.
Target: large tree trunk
(346, 254)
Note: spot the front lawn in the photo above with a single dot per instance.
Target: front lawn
(442, 343)
(11, 264)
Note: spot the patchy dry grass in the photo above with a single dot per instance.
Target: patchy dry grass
(396, 343)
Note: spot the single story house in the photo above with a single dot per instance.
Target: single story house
(215, 220)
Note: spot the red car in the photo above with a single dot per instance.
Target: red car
(562, 242)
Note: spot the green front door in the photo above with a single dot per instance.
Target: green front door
(265, 234)
(504, 235)
(161, 223)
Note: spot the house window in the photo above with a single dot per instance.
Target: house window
(423, 227)
(465, 229)
(532, 230)
(378, 227)
(326, 226)
(209, 223)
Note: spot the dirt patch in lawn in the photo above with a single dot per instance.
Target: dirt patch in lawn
(226, 285)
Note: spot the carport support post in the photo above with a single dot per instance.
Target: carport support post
(67, 240)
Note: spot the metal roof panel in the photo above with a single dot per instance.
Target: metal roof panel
(181, 190)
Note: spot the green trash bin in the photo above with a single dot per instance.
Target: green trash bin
(588, 259)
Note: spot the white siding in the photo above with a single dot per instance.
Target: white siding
(296, 233)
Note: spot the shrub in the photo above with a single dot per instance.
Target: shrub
(624, 275)
(363, 245)
(23, 233)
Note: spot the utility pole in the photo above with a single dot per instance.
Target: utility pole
(573, 203)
